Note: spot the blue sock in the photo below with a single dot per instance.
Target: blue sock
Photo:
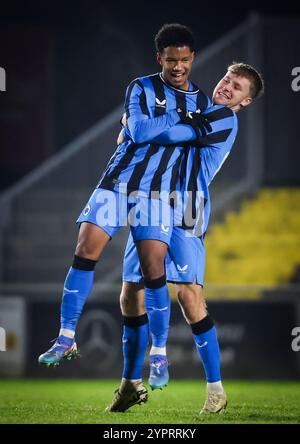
(206, 340)
(135, 340)
(77, 287)
(158, 306)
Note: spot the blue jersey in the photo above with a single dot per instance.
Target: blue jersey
(185, 261)
(199, 167)
(143, 162)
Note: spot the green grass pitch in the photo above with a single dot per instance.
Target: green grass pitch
(84, 401)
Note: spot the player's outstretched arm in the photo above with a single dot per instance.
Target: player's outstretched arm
(179, 133)
(210, 129)
(143, 129)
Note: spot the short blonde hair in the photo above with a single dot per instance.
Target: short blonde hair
(255, 78)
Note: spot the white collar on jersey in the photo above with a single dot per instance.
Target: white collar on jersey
(176, 89)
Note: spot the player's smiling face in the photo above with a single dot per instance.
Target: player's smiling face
(232, 91)
(176, 65)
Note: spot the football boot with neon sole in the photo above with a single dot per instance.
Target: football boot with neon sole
(159, 373)
(132, 393)
(63, 348)
(214, 403)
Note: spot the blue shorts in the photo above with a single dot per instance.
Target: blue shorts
(185, 260)
(147, 218)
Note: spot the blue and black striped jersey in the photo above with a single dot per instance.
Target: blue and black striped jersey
(143, 163)
(200, 166)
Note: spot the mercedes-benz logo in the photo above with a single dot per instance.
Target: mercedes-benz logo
(97, 339)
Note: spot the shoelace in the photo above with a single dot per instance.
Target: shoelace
(58, 346)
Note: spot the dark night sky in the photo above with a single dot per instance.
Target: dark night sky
(208, 20)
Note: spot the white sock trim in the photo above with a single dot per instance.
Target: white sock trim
(158, 351)
(67, 333)
(215, 387)
(124, 380)
(128, 384)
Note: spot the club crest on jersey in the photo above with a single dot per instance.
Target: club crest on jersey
(161, 104)
(87, 210)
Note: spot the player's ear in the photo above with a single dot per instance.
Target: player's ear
(247, 101)
(159, 58)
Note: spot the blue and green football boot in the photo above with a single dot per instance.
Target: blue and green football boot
(159, 373)
(64, 348)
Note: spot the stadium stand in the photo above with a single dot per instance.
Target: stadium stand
(258, 245)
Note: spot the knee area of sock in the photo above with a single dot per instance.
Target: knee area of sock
(155, 282)
(83, 263)
(130, 309)
(202, 326)
(135, 321)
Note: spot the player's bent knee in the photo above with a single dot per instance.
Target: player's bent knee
(132, 299)
(189, 292)
(190, 298)
(152, 258)
(87, 251)
(91, 241)
(153, 272)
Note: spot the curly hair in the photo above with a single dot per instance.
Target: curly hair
(174, 34)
